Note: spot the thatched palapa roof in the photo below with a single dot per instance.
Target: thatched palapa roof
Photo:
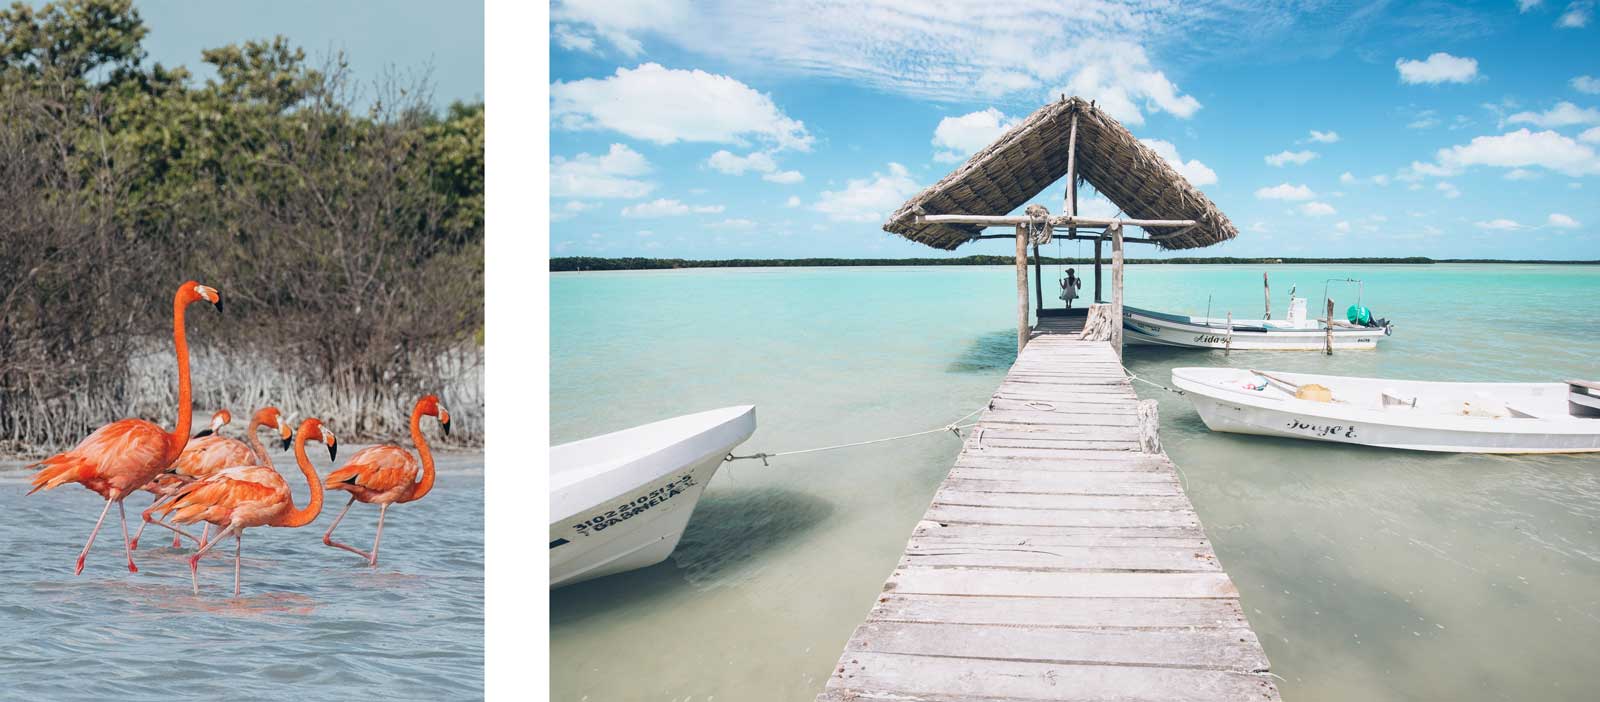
(1032, 155)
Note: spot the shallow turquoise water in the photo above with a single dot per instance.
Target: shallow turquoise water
(312, 622)
(1367, 573)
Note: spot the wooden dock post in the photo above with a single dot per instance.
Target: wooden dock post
(1059, 559)
(1022, 287)
(1328, 338)
(1266, 294)
(1227, 343)
(1038, 277)
(1116, 288)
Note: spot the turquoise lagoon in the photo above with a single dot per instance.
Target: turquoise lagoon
(1368, 574)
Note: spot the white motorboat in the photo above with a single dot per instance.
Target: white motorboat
(1297, 333)
(1402, 414)
(620, 501)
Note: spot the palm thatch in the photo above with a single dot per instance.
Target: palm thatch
(1032, 155)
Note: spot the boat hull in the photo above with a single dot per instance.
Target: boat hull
(1145, 328)
(639, 520)
(1236, 411)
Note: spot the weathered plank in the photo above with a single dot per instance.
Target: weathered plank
(870, 677)
(944, 513)
(1011, 582)
(1137, 557)
(1085, 612)
(1216, 649)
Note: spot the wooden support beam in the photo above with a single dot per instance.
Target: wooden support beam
(1116, 289)
(1173, 235)
(1057, 221)
(1022, 287)
(1098, 297)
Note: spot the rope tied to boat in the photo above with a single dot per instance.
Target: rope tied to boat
(954, 427)
(1150, 382)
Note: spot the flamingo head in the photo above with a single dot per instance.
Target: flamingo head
(270, 417)
(312, 430)
(218, 421)
(429, 405)
(194, 292)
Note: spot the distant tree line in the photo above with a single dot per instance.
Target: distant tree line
(343, 223)
(591, 263)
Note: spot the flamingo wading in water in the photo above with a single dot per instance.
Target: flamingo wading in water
(383, 475)
(208, 453)
(241, 497)
(121, 457)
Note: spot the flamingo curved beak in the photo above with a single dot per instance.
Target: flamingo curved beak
(218, 303)
(202, 432)
(446, 426)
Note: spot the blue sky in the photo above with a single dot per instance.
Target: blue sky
(725, 129)
(406, 35)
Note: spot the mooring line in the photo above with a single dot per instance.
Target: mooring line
(953, 427)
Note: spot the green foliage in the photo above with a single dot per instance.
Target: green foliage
(349, 241)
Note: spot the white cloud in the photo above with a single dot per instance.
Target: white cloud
(1347, 178)
(1117, 74)
(1562, 221)
(960, 137)
(1520, 174)
(949, 53)
(1343, 227)
(664, 207)
(1498, 225)
(1525, 5)
(1324, 137)
(868, 199)
(1285, 191)
(1424, 120)
(1521, 149)
(784, 177)
(1564, 114)
(1577, 15)
(1586, 84)
(1317, 209)
(1437, 68)
(570, 209)
(568, 38)
(793, 201)
(1194, 171)
(724, 161)
(666, 106)
(611, 175)
(1591, 135)
(1298, 158)
(616, 21)
(1449, 189)
(734, 224)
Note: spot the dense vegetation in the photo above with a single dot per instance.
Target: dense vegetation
(590, 263)
(343, 224)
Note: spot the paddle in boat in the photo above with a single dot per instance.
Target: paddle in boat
(1298, 332)
(1403, 414)
(620, 501)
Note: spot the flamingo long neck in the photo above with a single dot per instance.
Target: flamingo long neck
(179, 437)
(296, 517)
(256, 447)
(423, 486)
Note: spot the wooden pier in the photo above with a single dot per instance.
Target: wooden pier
(1059, 560)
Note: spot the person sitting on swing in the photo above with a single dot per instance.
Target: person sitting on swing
(1069, 288)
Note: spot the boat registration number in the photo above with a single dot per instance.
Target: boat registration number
(628, 510)
(1323, 430)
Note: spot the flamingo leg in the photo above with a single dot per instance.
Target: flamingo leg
(382, 509)
(327, 538)
(86, 546)
(127, 547)
(194, 561)
(181, 533)
(142, 524)
(238, 553)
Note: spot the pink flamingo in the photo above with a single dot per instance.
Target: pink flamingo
(123, 456)
(208, 453)
(384, 475)
(241, 497)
